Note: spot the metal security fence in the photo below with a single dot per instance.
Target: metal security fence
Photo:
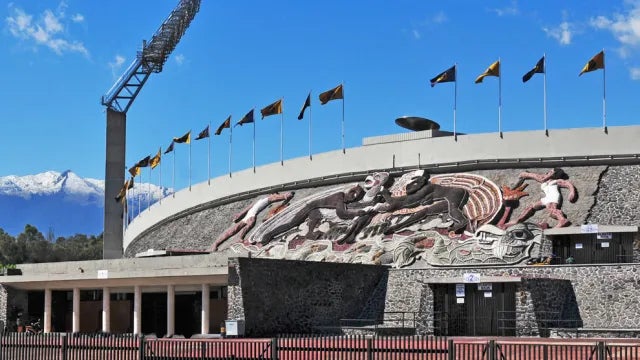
(109, 347)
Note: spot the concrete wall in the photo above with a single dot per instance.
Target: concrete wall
(441, 154)
(278, 296)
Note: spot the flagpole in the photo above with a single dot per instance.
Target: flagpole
(455, 100)
(149, 190)
(254, 146)
(544, 94)
(500, 97)
(139, 193)
(604, 95)
(209, 155)
(281, 132)
(343, 146)
(173, 176)
(160, 177)
(310, 156)
(230, 148)
(189, 160)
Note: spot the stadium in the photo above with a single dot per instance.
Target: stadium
(420, 232)
(530, 233)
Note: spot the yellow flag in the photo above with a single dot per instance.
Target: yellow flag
(134, 171)
(492, 70)
(596, 62)
(272, 109)
(184, 139)
(156, 159)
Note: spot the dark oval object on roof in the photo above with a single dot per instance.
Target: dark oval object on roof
(416, 123)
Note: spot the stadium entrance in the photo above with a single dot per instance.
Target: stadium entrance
(474, 309)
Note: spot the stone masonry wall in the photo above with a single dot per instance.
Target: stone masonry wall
(280, 296)
(618, 197)
(589, 296)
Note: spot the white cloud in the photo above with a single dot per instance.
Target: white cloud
(77, 18)
(180, 59)
(48, 30)
(116, 64)
(425, 25)
(634, 73)
(562, 33)
(625, 27)
(509, 10)
(439, 18)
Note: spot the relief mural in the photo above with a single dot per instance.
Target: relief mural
(459, 219)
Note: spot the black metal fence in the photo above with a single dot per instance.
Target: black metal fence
(16, 346)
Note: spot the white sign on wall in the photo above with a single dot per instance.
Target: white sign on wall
(578, 245)
(471, 278)
(103, 274)
(459, 290)
(604, 236)
(589, 228)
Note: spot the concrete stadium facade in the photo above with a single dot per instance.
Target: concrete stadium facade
(481, 270)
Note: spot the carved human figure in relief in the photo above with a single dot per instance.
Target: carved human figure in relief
(246, 219)
(436, 199)
(550, 184)
(337, 201)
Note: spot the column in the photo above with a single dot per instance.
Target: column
(75, 323)
(47, 311)
(106, 310)
(204, 313)
(171, 310)
(137, 310)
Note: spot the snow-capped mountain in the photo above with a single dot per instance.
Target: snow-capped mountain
(63, 202)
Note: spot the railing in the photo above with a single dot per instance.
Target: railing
(507, 323)
(293, 347)
(389, 319)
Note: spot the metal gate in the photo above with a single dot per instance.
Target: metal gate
(473, 309)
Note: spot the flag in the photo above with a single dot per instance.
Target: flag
(307, 103)
(144, 162)
(492, 70)
(539, 68)
(203, 134)
(333, 94)
(448, 75)
(134, 170)
(184, 139)
(170, 148)
(246, 119)
(225, 125)
(272, 109)
(156, 159)
(123, 192)
(596, 62)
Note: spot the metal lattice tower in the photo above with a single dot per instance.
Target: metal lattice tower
(119, 99)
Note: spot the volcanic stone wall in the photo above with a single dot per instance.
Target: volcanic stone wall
(582, 296)
(279, 296)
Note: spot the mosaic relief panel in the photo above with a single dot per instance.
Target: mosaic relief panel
(461, 219)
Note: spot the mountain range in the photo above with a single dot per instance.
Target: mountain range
(63, 203)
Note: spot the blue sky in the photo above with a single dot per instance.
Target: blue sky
(58, 58)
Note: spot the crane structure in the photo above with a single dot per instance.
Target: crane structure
(119, 99)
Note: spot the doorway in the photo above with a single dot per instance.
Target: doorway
(474, 309)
